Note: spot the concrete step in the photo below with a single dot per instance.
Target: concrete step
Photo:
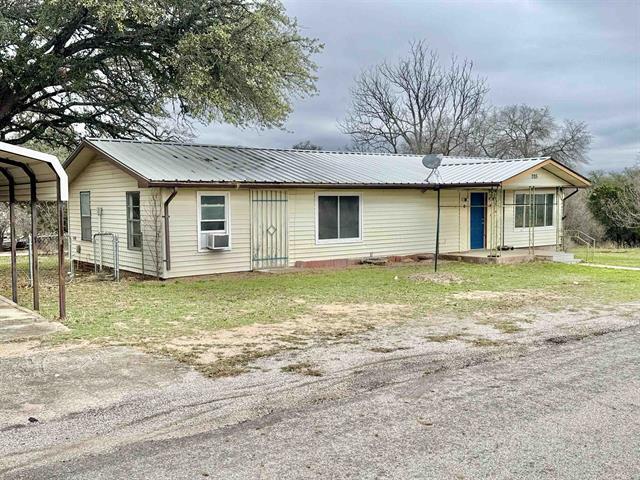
(564, 257)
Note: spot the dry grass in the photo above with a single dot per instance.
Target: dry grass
(302, 368)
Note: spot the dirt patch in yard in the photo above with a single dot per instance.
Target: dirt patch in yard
(229, 351)
(506, 295)
(444, 278)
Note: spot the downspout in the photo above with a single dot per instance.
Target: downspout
(435, 260)
(564, 215)
(167, 236)
(504, 201)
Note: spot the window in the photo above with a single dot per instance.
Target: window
(134, 232)
(213, 215)
(85, 216)
(540, 216)
(338, 217)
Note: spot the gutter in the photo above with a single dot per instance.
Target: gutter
(240, 185)
(167, 236)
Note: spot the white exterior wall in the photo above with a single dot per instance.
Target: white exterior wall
(519, 237)
(186, 259)
(544, 182)
(108, 186)
(394, 222)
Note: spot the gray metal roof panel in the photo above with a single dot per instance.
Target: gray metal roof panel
(178, 162)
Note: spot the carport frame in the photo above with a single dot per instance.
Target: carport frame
(60, 179)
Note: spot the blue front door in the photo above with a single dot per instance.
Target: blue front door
(477, 219)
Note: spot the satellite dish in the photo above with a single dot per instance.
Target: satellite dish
(432, 161)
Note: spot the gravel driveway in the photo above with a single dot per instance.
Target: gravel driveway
(563, 405)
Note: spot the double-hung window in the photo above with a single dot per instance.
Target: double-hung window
(85, 216)
(534, 210)
(213, 215)
(338, 217)
(134, 230)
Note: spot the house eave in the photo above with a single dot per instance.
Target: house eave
(241, 185)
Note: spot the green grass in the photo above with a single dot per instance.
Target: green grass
(624, 257)
(146, 312)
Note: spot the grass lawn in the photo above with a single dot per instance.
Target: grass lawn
(624, 257)
(139, 312)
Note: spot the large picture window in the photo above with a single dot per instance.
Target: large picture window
(536, 213)
(213, 215)
(134, 230)
(338, 217)
(85, 216)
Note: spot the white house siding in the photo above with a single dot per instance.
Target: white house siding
(183, 220)
(394, 222)
(544, 182)
(519, 237)
(108, 186)
(540, 178)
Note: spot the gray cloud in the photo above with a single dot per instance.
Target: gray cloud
(582, 59)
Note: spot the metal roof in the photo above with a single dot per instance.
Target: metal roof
(168, 162)
(45, 168)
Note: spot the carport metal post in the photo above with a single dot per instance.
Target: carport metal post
(12, 234)
(35, 277)
(34, 228)
(61, 274)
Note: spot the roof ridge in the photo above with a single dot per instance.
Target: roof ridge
(242, 147)
(340, 152)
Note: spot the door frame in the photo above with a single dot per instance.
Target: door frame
(484, 223)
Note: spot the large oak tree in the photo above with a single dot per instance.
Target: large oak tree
(146, 68)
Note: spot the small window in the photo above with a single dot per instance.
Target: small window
(85, 216)
(338, 217)
(538, 213)
(212, 215)
(134, 230)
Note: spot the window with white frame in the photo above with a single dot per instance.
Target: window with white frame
(338, 217)
(535, 211)
(85, 216)
(213, 215)
(134, 230)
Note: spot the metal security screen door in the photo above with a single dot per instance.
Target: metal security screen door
(269, 238)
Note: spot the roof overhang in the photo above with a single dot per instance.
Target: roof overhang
(564, 173)
(85, 153)
(45, 168)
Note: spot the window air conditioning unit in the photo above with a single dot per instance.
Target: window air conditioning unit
(217, 241)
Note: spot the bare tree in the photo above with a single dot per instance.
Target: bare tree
(306, 145)
(525, 131)
(415, 106)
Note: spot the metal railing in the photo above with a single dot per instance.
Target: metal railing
(585, 239)
(98, 265)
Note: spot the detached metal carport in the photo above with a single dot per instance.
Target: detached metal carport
(32, 176)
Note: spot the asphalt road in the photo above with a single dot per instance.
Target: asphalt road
(559, 410)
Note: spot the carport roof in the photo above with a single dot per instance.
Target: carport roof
(182, 164)
(46, 169)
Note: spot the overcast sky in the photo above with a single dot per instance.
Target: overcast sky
(580, 58)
